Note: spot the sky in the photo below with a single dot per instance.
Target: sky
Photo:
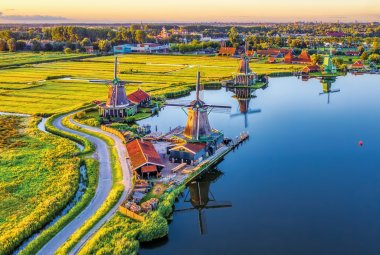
(125, 11)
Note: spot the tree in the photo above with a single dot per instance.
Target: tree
(140, 36)
(85, 42)
(3, 45)
(316, 59)
(364, 55)
(233, 35)
(104, 45)
(48, 47)
(374, 58)
(20, 45)
(11, 45)
(68, 51)
(35, 45)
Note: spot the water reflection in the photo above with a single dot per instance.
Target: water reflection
(201, 198)
(326, 87)
(244, 96)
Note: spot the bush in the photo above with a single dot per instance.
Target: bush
(155, 226)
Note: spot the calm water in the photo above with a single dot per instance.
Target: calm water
(300, 185)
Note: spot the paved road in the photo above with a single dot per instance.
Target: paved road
(102, 191)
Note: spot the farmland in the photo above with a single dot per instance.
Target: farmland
(41, 88)
(38, 176)
(22, 58)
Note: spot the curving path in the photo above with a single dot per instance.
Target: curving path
(104, 187)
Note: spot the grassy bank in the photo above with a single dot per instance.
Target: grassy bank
(32, 165)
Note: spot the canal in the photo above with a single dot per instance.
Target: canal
(302, 184)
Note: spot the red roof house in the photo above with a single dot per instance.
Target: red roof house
(311, 69)
(139, 97)
(227, 51)
(142, 154)
(288, 58)
(303, 57)
(271, 60)
(358, 65)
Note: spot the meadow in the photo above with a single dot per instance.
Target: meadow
(38, 176)
(21, 58)
(42, 88)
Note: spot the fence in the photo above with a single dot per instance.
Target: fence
(114, 131)
(131, 214)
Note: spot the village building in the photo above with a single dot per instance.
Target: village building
(141, 48)
(227, 51)
(358, 65)
(117, 104)
(311, 69)
(144, 158)
(140, 98)
(189, 152)
(164, 34)
(271, 60)
(303, 58)
(275, 53)
(89, 49)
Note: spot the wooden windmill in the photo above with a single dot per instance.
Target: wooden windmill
(117, 104)
(198, 126)
(201, 198)
(244, 75)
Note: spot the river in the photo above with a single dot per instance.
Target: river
(302, 184)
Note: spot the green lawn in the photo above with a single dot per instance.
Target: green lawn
(21, 58)
(38, 176)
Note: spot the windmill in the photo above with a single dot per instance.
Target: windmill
(198, 127)
(244, 95)
(117, 103)
(201, 197)
(326, 86)
(244, 75)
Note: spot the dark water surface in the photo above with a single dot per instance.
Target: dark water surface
(300, 185)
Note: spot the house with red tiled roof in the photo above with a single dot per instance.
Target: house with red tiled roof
(144, 158)
(303, 58)
(358, 65)
(139, 97)
(227, 51)
(276, 53)
(311, 69)
(189, 152)
(288, 58)
(271, 60)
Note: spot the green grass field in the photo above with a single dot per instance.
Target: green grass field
(31, 89)
(22, 58)
(38, 176)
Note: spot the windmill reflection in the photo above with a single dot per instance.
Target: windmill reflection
(326, 87)
(244, 96)
(200, 197)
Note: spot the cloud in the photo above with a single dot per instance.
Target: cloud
(30, 17)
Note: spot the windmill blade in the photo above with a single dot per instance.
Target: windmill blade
(250, 111)
(202, 222)
(179, 102)
(184, 209)
(175, 104)
(219, 110)
(218, 106)
(331, 91)
(218, 204)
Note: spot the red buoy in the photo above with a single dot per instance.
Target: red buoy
(360, 143)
